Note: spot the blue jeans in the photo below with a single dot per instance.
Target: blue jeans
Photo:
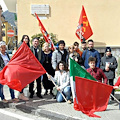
(2, 95)
(66, 92)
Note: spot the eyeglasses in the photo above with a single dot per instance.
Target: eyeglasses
(26, 38)
(71, 48)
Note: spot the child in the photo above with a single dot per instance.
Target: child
(96, 72)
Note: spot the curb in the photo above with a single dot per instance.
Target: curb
(53, 115)
(38, 112)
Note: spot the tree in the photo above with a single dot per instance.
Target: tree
(42, 40)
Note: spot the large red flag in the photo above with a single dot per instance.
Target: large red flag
(84, 30)
(91, 96)
(22, 69)
(45, 34)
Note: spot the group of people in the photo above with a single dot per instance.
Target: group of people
(57, 65)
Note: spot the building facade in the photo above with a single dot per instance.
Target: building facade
(63, 18)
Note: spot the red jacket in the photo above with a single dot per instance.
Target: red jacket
(98, 74)
(118, 82)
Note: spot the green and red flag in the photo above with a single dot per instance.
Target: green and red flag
(77, 70)
(45, 34)
(84, 30)
(89, 95)
(22, 69)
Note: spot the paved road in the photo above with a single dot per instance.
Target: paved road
(13, 114)
(48, 107)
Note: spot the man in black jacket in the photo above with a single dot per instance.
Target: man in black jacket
(37, 52)
(108, 65)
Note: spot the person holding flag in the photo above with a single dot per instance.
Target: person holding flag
(26, 39)
(76, 48)
(96, 72)
(90, 52)
(62, 80)
(4, 59)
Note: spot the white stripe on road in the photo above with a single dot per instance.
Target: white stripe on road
(14, 115)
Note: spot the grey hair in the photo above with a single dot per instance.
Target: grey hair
(2, 43)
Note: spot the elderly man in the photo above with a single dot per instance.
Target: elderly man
(4, 59)
(37, 52)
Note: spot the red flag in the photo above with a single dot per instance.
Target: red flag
(84, 30)
(45, 34)
(92, 96)
(22, 69)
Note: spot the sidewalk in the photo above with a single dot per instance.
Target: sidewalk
(48, 107)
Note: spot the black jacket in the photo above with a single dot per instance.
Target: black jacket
(2, 64)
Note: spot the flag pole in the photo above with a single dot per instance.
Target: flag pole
(116, 100)
(56, 87)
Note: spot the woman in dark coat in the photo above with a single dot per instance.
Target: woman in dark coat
(46, 61)
(26, 39)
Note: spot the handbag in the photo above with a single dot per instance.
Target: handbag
(54, 91)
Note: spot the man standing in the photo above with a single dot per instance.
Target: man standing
(90, 52)
(59, 54)
(37, 52)
(83, 46)
(108, 65)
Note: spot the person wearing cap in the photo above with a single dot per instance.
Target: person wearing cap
(60, 54)
(4, 59)
(108, 65)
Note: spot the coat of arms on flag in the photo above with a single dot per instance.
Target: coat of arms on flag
(84, 30)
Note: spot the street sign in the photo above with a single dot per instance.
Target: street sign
(10, 33)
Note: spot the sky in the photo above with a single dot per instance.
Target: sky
(4, 7)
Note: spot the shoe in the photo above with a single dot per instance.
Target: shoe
(51, 93)
(22, 97)
(5, 101)
(31, 96)
(38, 95)
(69, 102)
(54, 97)
(46, 92)
(15, 100)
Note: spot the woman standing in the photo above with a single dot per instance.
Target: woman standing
(46, 61)
(26, 39)
(74, 55)
(62, 80)
(4, 59)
